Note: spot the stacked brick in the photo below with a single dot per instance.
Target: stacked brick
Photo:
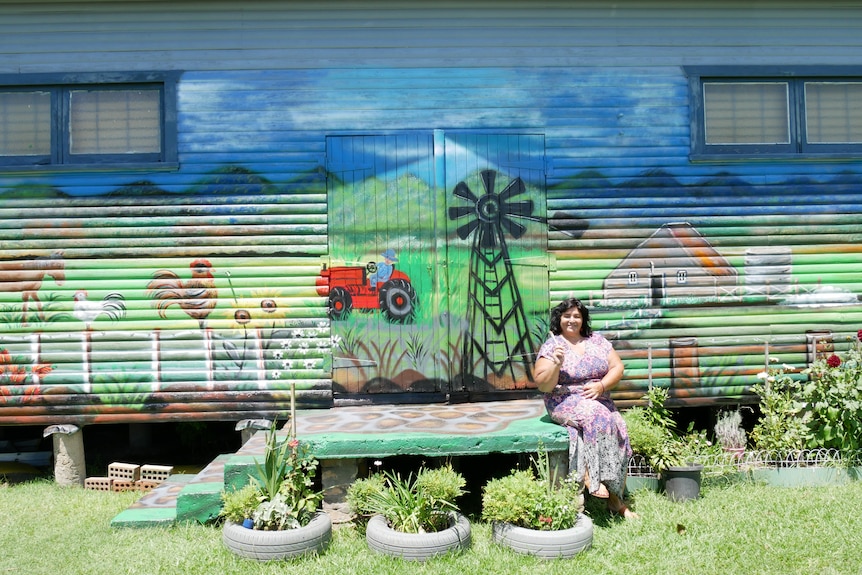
(130, 477)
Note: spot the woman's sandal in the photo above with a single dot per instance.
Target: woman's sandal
(601, 492)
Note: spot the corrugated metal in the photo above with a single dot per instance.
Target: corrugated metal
(250, 35)
(262, 86)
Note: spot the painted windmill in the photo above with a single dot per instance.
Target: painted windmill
(497, 337)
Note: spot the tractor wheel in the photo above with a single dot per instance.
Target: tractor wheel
(340, 303)
(397, 301)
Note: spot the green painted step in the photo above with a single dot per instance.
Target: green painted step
(156, 508)
(200, 499)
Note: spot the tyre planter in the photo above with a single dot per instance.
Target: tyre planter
(271, 545)
(682, 483)
(561, 544)
(381, 538)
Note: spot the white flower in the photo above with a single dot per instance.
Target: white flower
(278, 354)
(786, 367)
(773, 360)
(276, 375)
(763, 375)
(285, 364)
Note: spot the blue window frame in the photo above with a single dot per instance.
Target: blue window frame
(49, 121)
(753, 112)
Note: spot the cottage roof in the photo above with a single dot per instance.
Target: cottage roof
(685, 240)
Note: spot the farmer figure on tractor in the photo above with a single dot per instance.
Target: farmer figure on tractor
(384, 269)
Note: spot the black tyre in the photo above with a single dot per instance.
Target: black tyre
(270, 545)
(340, 303)
(546, 544)
(397, 300)
(417, 546)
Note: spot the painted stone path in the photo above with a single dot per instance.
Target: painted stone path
(455, 419)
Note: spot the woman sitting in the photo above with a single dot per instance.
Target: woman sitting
(576, 369)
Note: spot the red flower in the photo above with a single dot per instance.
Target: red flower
(859, 335)
(833, 360)
(293, 443)
(546, 520)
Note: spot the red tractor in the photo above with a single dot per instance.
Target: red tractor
(348, 288)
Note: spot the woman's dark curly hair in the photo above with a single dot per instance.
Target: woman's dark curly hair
(565, 305)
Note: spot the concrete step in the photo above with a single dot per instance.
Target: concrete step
(342, 437)
(182, 497)
(158, 507)
(200, 499)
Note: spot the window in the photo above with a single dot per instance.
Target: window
(805, 113)
(96, 120)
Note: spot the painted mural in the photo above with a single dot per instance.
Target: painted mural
(129, 336)
(361, 258)
(699, 305)
(450, 227)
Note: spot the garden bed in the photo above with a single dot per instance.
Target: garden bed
(814, 467)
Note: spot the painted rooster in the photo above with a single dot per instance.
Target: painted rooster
(197, 296)
(112, 305)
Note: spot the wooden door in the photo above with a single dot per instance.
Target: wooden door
(437, 276)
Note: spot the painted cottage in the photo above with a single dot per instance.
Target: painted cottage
(675, 262)
(206, 204)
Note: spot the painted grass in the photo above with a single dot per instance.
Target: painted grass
(739, 528)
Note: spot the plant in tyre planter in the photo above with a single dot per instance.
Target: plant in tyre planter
(276, 515)
(359, 496)
(532, 515)
(413, 518)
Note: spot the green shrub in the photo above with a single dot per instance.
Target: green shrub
(783, 425)
(239, 504)
(832, 400)
(420, 505)
(646, 437)
(533, 501)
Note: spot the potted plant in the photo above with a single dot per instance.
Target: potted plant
(729, 432)
(414, 518)
(646, 437)
(650, 428)
(531, 514)
(674, 456)
(678, 462)
(276, 515)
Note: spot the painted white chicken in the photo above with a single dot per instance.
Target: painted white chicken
(112, 305)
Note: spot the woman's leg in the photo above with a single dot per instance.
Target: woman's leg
(618, 506)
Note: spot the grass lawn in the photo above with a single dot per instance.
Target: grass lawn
(740, 528)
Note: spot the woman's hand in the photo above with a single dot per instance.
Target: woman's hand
(593, 389)
(546, 373)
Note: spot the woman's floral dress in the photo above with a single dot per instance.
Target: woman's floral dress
(598, 439)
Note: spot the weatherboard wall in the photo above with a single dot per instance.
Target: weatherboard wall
(261, 87)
